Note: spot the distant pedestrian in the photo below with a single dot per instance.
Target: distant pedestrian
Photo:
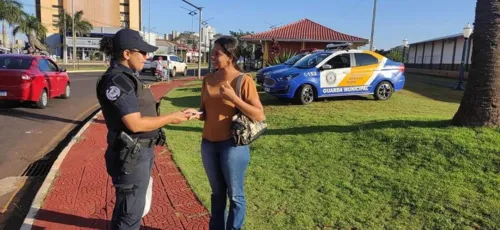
(134, 126)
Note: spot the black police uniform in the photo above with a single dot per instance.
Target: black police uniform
(121, 92)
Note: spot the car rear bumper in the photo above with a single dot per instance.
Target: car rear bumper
(17, 93)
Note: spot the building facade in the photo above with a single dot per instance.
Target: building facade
(101, 13)
(440, 56)
(106, 17)
(299, 35)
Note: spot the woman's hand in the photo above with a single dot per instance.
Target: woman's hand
(192, 113)
(227, 92)
(179, 117)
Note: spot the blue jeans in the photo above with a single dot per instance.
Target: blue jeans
(225, 165)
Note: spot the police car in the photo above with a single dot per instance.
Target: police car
(282, 67)
(338, 71)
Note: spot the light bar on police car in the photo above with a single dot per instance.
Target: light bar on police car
(338, 46)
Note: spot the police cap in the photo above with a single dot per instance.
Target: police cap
(131, 39)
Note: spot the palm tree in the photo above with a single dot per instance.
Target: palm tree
(33, 29)
(82, 27)
(480, 105)
(10, 12)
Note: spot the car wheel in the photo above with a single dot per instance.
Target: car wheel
(305, 95)
(383, 91)
(43, 100)
(153, 72)
(174, 72)
(67, 92)
(185, 71)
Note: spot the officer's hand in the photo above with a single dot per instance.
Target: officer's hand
(227, 92)
(178, 117)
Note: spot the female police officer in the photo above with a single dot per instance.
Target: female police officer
(134, 126)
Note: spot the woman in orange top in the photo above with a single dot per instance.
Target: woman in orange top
(224, 162)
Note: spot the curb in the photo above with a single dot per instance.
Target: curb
(85, 71)
(44, 189)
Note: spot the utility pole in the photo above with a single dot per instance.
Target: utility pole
(65, 50)
(149, 23)
(199, 40)
(373, 23)
(73, 32)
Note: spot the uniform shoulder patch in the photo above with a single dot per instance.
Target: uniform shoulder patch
(123, 83)
(113, 93)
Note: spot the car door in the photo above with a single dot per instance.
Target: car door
(58, 77)
(44, 67)
(365, 69)
(175, 63)
(334, 72)
(182, 64)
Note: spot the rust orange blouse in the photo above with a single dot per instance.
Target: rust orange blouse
(218, 111)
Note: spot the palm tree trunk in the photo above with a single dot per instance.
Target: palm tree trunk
(4, 33)
(480, 104)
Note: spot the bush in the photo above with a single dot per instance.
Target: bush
(280, 58)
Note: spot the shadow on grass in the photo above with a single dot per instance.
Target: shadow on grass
(339, 128)
(184, 102)
(362, 126)
(433, 87)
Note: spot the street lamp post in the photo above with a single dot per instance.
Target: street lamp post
(209, 54)
(73, 32)
(405, 44)
(467, 31)
(199, 40)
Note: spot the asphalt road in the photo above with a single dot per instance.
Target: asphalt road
(28, 134)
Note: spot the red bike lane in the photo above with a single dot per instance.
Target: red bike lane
(82, 195)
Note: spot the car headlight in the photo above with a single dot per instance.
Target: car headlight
(288, 77)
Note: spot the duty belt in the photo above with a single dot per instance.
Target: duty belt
(146, 143)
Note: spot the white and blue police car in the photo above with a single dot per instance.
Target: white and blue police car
(337, 71)
(283, 66)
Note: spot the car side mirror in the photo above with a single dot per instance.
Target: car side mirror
(62, 69)
(326, 66)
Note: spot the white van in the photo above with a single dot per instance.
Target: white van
(171, 62)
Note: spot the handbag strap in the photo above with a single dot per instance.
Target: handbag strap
(239, 83)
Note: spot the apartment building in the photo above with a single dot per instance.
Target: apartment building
(106, 16)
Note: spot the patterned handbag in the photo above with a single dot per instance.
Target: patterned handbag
(243, 129)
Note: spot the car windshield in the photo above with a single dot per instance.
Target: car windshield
(15, 62)
(294, 59)
(311, 60)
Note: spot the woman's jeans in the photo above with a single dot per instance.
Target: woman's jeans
(225, 165)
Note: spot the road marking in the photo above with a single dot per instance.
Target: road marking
(11, 184)
(66, 128)
(43, 150)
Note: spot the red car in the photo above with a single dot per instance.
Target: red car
(32, 78)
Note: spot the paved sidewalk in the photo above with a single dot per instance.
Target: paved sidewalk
(82, 195)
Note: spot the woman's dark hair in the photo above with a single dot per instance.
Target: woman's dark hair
(106, 46)
(230, 47)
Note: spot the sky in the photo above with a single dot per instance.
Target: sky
(416, 20)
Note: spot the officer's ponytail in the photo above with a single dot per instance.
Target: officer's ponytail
(106, 46)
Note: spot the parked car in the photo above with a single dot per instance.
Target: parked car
(282, 67)
(338, 72)
(32, 78)
(171, 62)
(147, 65)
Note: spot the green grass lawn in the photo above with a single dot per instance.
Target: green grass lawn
(195, 65)
(359, 163)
